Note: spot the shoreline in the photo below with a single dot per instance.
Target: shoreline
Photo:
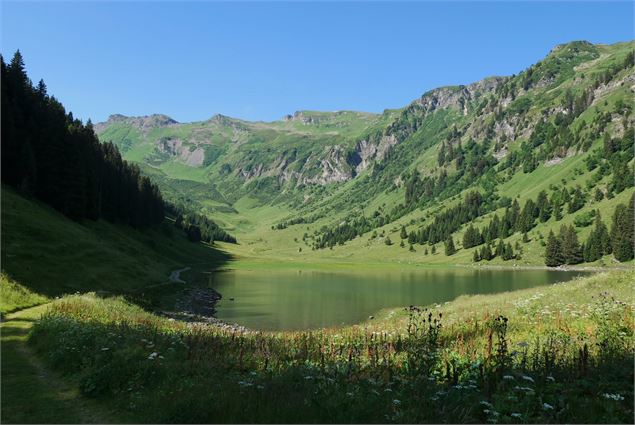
(256, 263)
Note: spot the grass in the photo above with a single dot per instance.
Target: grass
(30, 392)
(561, 353)
(14, 296)
(51, 255)
(248, 207)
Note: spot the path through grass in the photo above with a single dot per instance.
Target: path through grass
(31, 393)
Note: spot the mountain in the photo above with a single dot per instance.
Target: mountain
(357, 183)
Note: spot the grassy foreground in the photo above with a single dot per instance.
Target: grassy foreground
(562, 353)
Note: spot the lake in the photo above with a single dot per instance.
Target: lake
(306, 299)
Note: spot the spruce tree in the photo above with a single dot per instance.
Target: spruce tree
(486, 252)
(449, 246)
(476, 257)
(622, 232)
(553, 251)
(571, 249)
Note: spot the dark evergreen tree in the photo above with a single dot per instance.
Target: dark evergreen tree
(598, 243)
(622, 231)
(553, 251)
(48, 154)
(449, 246)
(472, 237)
(571, 249)
(486, 252)
(544, 207)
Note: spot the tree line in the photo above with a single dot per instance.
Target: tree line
(565, 248)
(197, 227)
(48, 154)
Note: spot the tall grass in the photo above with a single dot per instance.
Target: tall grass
(14, 296)
(500, 364)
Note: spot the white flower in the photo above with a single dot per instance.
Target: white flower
(486, 403)
(396, 402)
(615, 397)
(551, 378)
(516, 415)
(508, 378)
(153, 356)
(105, 349)
(547, 406)
(528, 378)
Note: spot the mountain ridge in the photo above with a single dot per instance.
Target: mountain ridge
(328, 168)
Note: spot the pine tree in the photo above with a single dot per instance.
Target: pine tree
(404, 234)
(544, 207)
(476, 257)
(571, 249)
(553, 251)
(598, 243)
(449, 246)
(486, 252)
(500, 248)
(508, 252)
(599, 195)
(622, 232)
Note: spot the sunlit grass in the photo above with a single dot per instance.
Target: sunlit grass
(561, 353)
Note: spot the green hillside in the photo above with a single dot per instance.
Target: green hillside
(48, 254)
(339, 186)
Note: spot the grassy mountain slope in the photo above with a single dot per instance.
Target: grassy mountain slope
(315, 172)
(51, 255)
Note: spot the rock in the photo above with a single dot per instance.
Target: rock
(371, 317)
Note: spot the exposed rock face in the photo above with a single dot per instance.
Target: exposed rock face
(143, 123)
(190, 155)
(458, 96)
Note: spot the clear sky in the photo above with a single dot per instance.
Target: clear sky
(262, 60)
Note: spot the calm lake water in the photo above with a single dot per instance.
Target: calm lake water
(305, 299)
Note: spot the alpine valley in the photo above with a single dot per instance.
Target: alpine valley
(490, 168)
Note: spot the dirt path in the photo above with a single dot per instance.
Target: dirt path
(31, 393)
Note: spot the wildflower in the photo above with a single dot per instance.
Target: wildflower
(547, 406)
(528, 378)
(615, 397)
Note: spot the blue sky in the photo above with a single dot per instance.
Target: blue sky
(262, 60)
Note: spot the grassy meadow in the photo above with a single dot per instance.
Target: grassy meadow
(561, 353)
